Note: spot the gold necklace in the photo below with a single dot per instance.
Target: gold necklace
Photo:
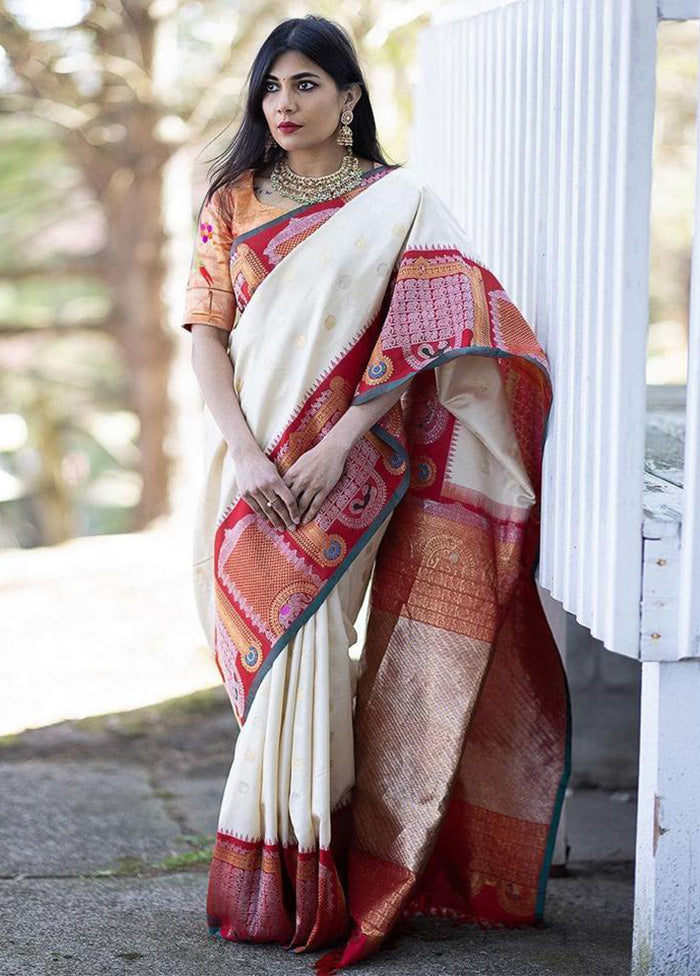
(312, 189)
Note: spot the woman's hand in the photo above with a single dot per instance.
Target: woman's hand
(317, 471)
(259, 482)
(313, 475)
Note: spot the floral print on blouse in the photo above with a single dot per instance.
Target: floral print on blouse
(209, 297)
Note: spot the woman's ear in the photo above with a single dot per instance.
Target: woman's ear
(356, 91)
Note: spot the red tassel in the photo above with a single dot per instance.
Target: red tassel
(327, 965)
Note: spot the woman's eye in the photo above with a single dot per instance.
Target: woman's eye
(268, 83)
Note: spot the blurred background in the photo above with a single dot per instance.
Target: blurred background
(110, 111)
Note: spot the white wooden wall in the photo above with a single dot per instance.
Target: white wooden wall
(540, 159)
(533, 120)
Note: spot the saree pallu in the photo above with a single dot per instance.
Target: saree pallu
(427, 777)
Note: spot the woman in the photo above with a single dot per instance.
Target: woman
(372, 399)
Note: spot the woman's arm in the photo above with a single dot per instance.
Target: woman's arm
(318, 470)
(257, 476)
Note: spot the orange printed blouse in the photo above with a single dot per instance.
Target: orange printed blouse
(209, 294)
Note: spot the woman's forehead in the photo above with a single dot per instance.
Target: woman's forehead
(289, 64)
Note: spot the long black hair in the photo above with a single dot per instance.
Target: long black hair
(329, 46)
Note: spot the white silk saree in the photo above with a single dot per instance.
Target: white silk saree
(428, 777)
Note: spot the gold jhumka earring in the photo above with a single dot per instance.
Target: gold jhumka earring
(344, 137)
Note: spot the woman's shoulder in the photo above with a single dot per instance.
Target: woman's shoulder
(227, 195)
(231, 201)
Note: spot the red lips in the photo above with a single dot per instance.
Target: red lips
(288, 126)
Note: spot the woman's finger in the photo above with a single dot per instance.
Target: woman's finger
(289, 500)
(304, 498)
(255, 505)
(305, 501)
(280, 509)
(315, 505)
(268, 511)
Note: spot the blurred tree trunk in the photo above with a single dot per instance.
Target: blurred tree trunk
(132, 198)
(135, 271)
(135, 268)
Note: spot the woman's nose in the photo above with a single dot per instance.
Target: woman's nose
(286, 98)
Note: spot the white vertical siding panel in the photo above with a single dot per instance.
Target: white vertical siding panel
(465, 201)
(627, 343)
(549, 269)
(689, 595)
(479, 200)
(463, 118)
(590, 349)
(542, 317)
(538, 145)
(505, 122)
(574, 471)
(515, 283)
(446, 85)
(575, 468)
(504, 132)
(513, 153)
(602, 324)
(563, 433)
(489, 216)
(469, 213)
(532, 122)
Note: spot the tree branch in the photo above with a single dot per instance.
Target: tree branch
(220, 80)
(66, 116)
(31, 60)
(90, 264)
(54, 329)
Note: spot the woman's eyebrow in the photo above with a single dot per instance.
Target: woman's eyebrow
(299, 74)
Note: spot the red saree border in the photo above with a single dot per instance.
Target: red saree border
(284, 894)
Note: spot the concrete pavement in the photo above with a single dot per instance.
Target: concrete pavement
(105, 835)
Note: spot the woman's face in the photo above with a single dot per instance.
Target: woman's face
(297, 90)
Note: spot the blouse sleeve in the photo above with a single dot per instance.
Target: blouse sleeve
(209, 297)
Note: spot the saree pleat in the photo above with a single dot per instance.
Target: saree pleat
(278, 862)
(428, 777)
